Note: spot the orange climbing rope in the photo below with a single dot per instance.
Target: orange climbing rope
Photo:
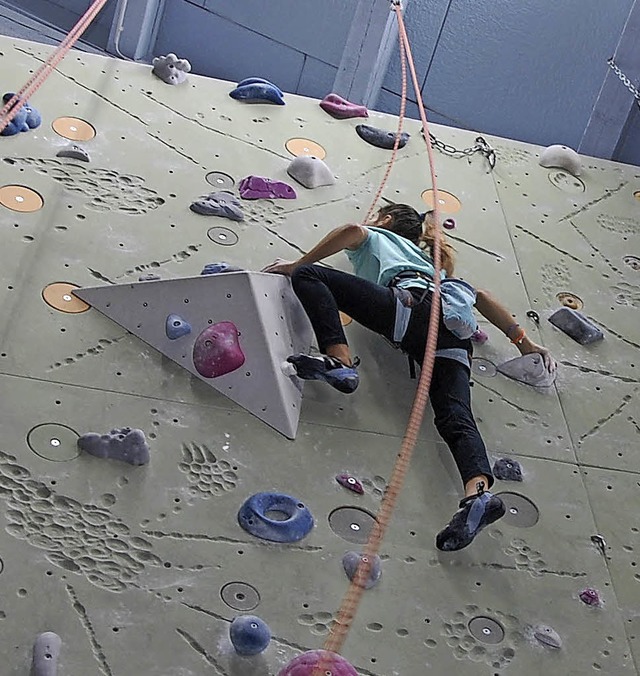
(15, 104)
(353, 596)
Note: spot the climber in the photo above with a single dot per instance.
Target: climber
(390, 295)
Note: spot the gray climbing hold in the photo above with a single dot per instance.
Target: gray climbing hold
(547, 636)
(220, 203)
(46, 651)
(126, 444)
(576, 326)
(528, 369)
(176, 327)
(380, 137)
(149, 277)
(74, 152)
(507, 469)
(563, 157)
(249, 634)
(351, 561)
(310, 172)
(171, 69)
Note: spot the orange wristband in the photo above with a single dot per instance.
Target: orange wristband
(520, 337)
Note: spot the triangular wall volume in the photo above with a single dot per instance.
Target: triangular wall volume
(270, 322)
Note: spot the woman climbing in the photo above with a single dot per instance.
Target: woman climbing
(390, 294)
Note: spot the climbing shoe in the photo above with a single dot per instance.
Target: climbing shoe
(476, 512)
(344, 378)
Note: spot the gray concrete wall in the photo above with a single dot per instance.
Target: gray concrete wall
(528, 70)
(293, 43)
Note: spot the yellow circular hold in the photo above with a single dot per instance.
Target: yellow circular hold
(73, 128)
(20, 198)
(345, 320)
(448, 203)
(636, 194)
(60, 297)
(570, 300)
(305, 147)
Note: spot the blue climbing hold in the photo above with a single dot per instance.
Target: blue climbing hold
(258, 92)
(26, 118)
(176, 327)
(249, 634)
(217, 268)
(576, 325)
(262, 515)
(259, 80)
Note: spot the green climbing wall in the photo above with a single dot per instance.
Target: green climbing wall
(140, 569)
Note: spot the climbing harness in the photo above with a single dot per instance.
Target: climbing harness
(17, 102)
(625, 80)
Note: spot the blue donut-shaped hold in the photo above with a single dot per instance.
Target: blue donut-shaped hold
(297, 523)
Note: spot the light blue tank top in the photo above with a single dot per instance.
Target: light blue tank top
(383, 254)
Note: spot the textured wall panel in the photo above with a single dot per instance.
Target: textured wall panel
(129, 565)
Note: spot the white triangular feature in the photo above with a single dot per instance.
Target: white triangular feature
(270, 321)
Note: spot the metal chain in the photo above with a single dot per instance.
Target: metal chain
(625, 80)
(481, 146)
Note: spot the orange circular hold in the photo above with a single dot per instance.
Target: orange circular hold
(448, 203)
(60, 297)
(20, 198)
(570, 300)
(73, 128)
(345, 320)
(305, 147)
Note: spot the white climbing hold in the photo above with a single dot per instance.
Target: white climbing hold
(171, 69)
(288, 369)
(547, 636)
(529, 369)
(563, 157)
(310, 172)
(46, 651)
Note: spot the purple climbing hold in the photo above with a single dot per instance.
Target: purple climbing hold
(220, 203)
(576, 326)
(257, 90)
(342, 109)
(480, 337)
(217, 350)
(126, 444)
(351, 561)
(449, 224)
(507, 469)
(258, 187)
(350, 482)
(176, 327)
(591, 597)
(46, 651)
(380, 137)
(309, 663)
(249, 634)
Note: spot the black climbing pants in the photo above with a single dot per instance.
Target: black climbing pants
(323, 292)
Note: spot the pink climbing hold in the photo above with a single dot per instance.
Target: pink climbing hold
(479, 337)
(308, 663)
(217, 350)
(342, 109)
(257, 187)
